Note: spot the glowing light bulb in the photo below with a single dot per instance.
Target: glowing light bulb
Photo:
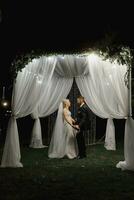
(4, 103)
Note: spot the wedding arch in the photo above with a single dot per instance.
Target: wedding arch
(42, 84)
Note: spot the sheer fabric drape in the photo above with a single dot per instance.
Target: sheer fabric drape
(25, 97)
(105, 93)
(49, 102)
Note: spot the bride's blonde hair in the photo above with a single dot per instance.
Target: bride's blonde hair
(65, 101)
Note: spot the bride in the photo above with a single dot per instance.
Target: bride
(63, 141)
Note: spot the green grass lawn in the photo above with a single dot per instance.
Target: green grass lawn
(95, 177)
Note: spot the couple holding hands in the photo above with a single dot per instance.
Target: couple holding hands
(68, 134)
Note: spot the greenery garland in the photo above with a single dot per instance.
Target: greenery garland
(123, 55)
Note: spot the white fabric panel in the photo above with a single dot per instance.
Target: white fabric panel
(26, 93)
(11, 154)
(128, 164)
(28, 87)
(36, 139)
(71, 66)
(57, 90)
(105, 92)
(103, 89)
(110, 143)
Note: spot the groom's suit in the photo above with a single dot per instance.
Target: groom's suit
(83, 120)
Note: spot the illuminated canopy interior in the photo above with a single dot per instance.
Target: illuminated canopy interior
(45, 81)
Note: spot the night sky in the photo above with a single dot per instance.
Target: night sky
(62, 26)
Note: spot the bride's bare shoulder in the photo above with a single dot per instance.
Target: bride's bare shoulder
(65, 110)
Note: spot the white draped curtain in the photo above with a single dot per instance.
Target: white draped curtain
(128, 164)
(44, 82)
(26, 92)
(105, 93)
(57, 90)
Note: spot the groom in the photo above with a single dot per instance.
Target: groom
(83, 124)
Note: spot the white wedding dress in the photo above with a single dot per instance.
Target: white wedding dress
(71, 149)
(63, 142)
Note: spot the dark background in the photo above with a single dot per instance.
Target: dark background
(59, 26)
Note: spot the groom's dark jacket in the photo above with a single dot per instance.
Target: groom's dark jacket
(84, 117)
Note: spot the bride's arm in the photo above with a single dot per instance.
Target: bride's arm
(73, 120)
(66, 117)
